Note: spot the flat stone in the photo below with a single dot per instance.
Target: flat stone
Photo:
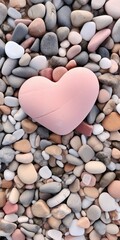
(53, 150)
(40, 209)
(17, 3)
(61, 211)
(13, 13)
(36, 11)
(24, 157)
(45, 172)
(8, 139)
(7, 227)
(15, 81)
(17, 234)
(100, 227)
(14, 196)
(50, 17)
(27, 197)
(59, 198)
(93, 212)
(73, 51)
(49, 44)
(88, 30)
(35, 46)
(19, 33)
(106, 202)
(58, 72)
(22, 146)
(27, 173)
(51, 187)
(54, 234)
(103, 96)
(76, 230)
(24, 72)
(74, 202)
(39, 63)
(75, 143)
(79, 17)
(7, 154)
(11, 101)
(97, 5)
(37, 28)
(63, 15)
(98, 39)
(10, 208)
(102, 21)
(112, 228)
(112, 122)
(86, 153)
(8, 66)
(14, 50)
(115, 31)
(74, 37)
(105, 63)
(91, 192)
(73, 160)
(95, 167)
(56, 61)
(3, 12)
(112, 8)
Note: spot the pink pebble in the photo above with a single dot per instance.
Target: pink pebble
(71, 64)
(73, 51)
(103, 96)
(28, 42)
(18, 235)
(10, 208)
(29, 212)
(114, 66)
(98, 38)
(58, 72)
(25, 21)
(8, 37)
(47, 72)
(85, 129)
(88, 180)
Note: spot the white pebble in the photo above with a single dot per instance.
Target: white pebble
(74, 37)
(105, 63)
(62, 52)
(65, 44)
(17, 126)
(115, 98)
(86, 203)
(57, 179)
(11, 119)
(88, 30)
(97, 129)
(118, 108)
(11, 101)
(18, 134)
(39, 62)
(60, 164)
(13, 50)
(73, 152)
(19, 115)
(83, 139)
(11, 217)
(45, 172)
(111, 166)
(54, 234)
(9, 175)
(13, 112)
(103, 136)
(23, 219)
(45, 155)
(75, 230)
(4, 118)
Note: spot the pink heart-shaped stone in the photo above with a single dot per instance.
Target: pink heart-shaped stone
(60, 106)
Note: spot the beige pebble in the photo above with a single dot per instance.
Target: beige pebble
(28, 126)
(112, 228)
(22, 146)
(112, 122)
(14, 196)
(40, 209)
(91, 192)
(75, 143)
(95, 144)
(53, 150)
(83, 222)
(114, 66)
(17, 3)
(95, 167)
(5, 109)
(94, 235)
(109, 107)
(61, 211)
(2, 199)
(27, 173)
(54, 223)
(115, 136)
(24, 158)
(103, 96)
(93, 212)
(114, 189)
(115, 153)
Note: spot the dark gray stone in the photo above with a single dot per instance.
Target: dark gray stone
(36, 46)
(68, 2)
(2, 48)
(15, 81)
(62, 33)
(64, 14)
(49, 44)
(58, 61)
(82, 58)
(24, 72)
(50, 18)
(43, 132)
(19, 33)
(103, 52)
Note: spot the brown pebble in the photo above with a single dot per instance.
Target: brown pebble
(83, 222)
(6, 184)
(37, 28)
(115, 153)
(91, 192)
(40, 209)
(58, 72)
(22, 146)
(28, 126)
(2, 199)
(53, 150)
(5, 109)
(68, 167)
(71, 64)
(55, 138)
(112, 122)
(109, 107)
(54, 223)
(114, 189)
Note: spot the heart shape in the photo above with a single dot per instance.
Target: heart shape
(60, 106)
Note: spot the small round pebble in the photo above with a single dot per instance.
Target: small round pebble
(27, 173)
(105, 63)
(45, 172)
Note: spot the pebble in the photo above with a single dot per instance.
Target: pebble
(10, 208)
(14, 50)
(106, 202)
(24, 158)
(24, 72)
(86, 153)
(102, 21)
(18, 134)
(98, 39)
(100, 227)
(26, 199)
(7, 154)
(88, 30)
(75, 143)
(83, 222)
(105, 63)
(112, 7)
(19, 33)
(113, 189)
(95, 167)
(15, 81)
(93, 213)
(17, 234)
(91, 192)
(63, 16)
(28, 126)
(7, 227)
(45, 172)
(25, 60)
(59, 198)
(11, 217)
(9, 175)
(13, 13)
(76, 230)
(36, 11)
(37, 28)
(14, 196)
(73, 160)
(53, 150)
(3, 12)
(103, 96)
(27, 173)
(115, 30)
(112, 122)
(97, 5)
(40, 209)
(73, 51)
(79, 17)
(58, 72)
(49, 44)
(112, 228)
(50, 17)
(51, 187)
(62, 33)
(8, 139)
(39, 63)
(22, 146)
(74, 202)
(54, 234)
(97, 128)
(2, 199)
(61, 211)
(103, 136)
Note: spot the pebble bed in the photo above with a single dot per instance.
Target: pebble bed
(51, 186)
